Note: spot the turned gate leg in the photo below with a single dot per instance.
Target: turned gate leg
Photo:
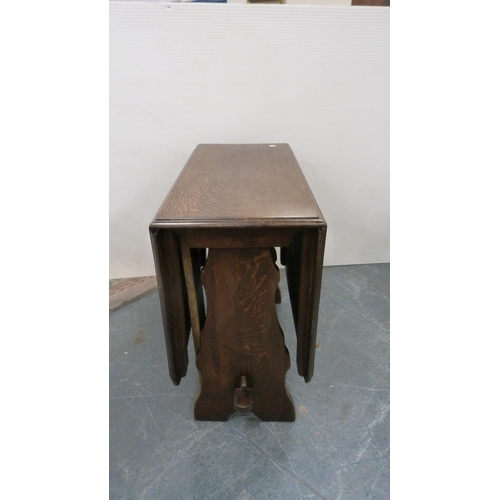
(242, 358)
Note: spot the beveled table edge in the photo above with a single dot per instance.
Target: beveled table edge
(298, 222)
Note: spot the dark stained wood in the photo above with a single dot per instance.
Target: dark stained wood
(313, 246)
(375, 3)
(238, 237)
(242, 337)
(198, 258)
(303, 260)
(240, 182)
(173, 300)
(239, 202)
(277, 298)
(243, 397)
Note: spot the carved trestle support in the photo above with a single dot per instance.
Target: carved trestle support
(242, 358)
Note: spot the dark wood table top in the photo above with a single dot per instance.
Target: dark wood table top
(235, 184)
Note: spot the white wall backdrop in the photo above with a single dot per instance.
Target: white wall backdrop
(316, 77)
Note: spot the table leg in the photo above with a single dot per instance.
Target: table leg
(242, 357)
(191, 262)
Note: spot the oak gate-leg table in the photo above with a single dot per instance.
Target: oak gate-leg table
(217, 230)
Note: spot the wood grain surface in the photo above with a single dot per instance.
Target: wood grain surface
(172, 291)
(240, 182)
(242, 337)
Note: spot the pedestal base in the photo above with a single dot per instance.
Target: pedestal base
(241, 339)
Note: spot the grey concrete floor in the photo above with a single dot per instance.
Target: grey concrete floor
(338, 447)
